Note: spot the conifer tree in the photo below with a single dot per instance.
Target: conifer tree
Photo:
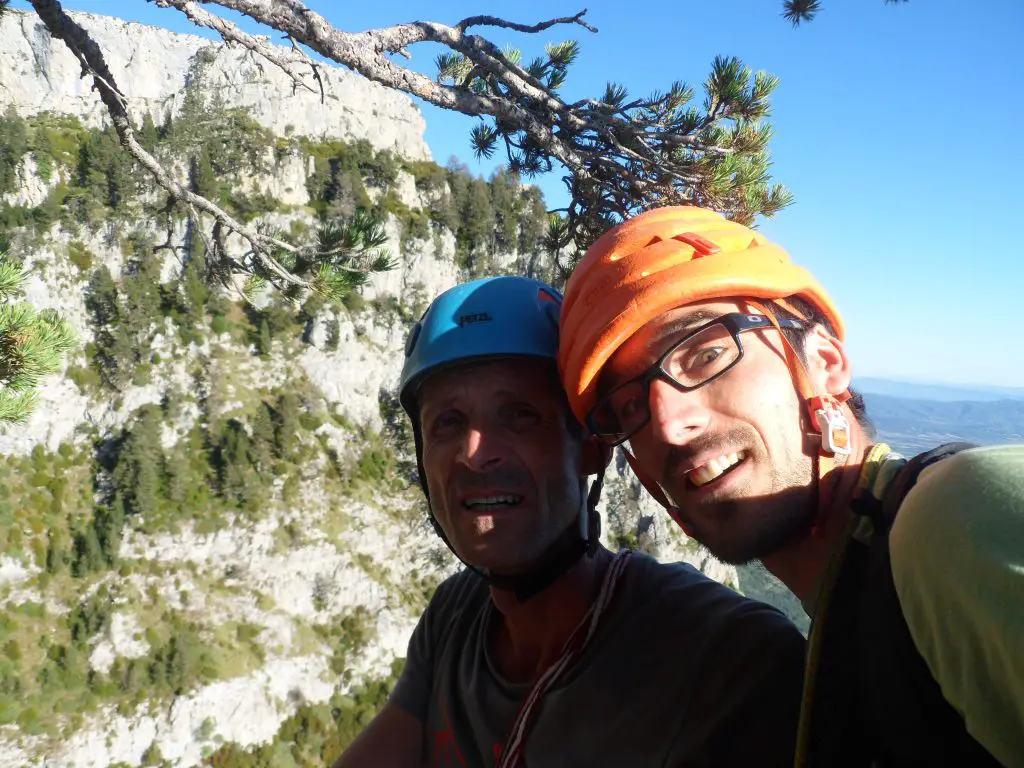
(42, 151)
(477, 231)
(204, 180)
(263, 440)
(148, 134)
(114, 352)
(505, 194)
(137, 475)
(13, 145)
(286, 425)
(142, 300)
(265, 341)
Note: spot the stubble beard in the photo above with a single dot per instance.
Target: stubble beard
(521, 549)
(752, 524)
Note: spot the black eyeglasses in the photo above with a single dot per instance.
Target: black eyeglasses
(698, 358)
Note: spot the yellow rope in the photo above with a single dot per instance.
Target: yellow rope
(814, 648)
(822, 605)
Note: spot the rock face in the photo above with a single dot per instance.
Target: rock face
(32, 190)
(152, 67)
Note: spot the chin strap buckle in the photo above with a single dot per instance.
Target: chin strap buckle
(590, 518)
(832, 424)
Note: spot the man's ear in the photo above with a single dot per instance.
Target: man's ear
(827, 363)
(594, 455)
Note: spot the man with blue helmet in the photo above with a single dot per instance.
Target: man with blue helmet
(548, 649)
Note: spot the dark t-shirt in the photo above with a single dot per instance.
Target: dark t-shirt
(683, 671)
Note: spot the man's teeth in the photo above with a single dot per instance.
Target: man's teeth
(705, 474)
(488, 502)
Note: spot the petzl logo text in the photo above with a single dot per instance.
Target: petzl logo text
(479, 317)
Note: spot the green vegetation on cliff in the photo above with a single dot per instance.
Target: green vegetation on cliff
(222, 450)
(92, 182)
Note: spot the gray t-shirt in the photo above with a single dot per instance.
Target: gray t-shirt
(683, 671)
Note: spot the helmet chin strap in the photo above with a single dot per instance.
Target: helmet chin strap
(581, 538)
(828, 423)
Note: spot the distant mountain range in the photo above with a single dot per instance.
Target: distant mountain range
(934, 391)
(912, 417)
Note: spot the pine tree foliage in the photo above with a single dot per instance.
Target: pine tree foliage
(347, 252)
(799, 11)
(32, 343)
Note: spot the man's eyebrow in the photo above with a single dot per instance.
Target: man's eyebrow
(451, 400)
(685, 323)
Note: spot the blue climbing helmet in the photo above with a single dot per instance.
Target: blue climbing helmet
(489, 318)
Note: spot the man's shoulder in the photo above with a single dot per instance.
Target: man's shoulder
(463, 590)
(955, 551)
(987, 473)
(697, 601)
(680, 581)
(974, 494)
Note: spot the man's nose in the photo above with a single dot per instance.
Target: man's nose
(479, 451)
(676, 417)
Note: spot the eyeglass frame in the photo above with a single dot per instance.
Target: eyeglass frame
(735, 323)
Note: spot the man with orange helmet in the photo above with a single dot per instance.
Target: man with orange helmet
(547, 649)
(722, 364)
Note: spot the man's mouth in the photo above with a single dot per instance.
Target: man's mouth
(492, 503)
(715, 468)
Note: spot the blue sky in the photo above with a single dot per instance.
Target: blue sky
(899, 131)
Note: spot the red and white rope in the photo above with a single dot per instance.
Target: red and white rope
(511, 755)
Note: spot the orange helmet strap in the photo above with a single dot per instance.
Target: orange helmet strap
(826, 417)
(791, 309)
(825, 413)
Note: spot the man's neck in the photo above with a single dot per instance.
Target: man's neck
(530, 635)
(801, 564)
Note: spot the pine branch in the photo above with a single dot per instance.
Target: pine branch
(312, 65)
(15, 407)
(493, 21)
(11, 277)
(798, 11)
(32, 345)
(232, 34)
(365, 52)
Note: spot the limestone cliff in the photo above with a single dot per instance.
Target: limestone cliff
(153, 66)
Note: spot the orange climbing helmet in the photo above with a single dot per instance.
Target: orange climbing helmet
(655, 262)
